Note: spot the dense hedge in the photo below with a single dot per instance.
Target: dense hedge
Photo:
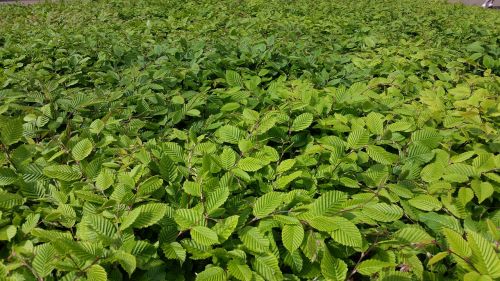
(249, 140)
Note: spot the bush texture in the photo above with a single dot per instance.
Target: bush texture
(249, 140)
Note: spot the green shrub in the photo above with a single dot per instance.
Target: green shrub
(249, 140)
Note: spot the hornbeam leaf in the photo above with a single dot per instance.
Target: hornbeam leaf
(7, 176)
(333, 268)
(240, 271)
(204, 235)
(301, 122)
(63, 172)
(292, 236)
(82, 149)
(484, 257)
(213, 273)
(372, 266)
(358, 138)
(174, 250)
(44, 258)
(457, 243)
(96, 273)
(346, 232)
(267, 204)
(383, 212)
(11, 131)
(425, 202)
(253, 239)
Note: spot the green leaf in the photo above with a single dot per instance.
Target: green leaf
(302, 122)
(7, 232)
(63, 172)
(44, 256)
(7, 176)
(250, 164)
(457, 243)
(96, 273)
(168, 169)
(127, 261)
(358, 138)
(173, 151)
(484, 162)
(186, 218)
(285, 165)
(436, 222)
(474, 276)
(372, 266)
(228, 107)
(216, 199)
(284, 181)
(380, 155)
(267, 203)
(383, 212)
(213, 273)
(311, 246)
(323, 223)
(230, 134)
(292, 236)
(376, 175)
(428, 137)
(346, 232)
(401, 126)
(437, 258)
(103, 227)
(226, 227)
(413, 234)
(11, 131)
(239, 271)
(328, 203)
(204, 235)
(96, 126)
(234, 79)
(144, 216)
(105, 179)
(375, 123)
(484, 257)
(174, 251)
(294, 261)
(268, 267)
(192, 188)
(483, 190)
(149, 186)
(462, 157)
(332, 268)
(82, 149)
(9, 200)
(432, 172)
(425, 202)
(30, 223)
(254, 240)
(228, 158)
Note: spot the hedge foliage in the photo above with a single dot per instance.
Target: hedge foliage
(249, 140)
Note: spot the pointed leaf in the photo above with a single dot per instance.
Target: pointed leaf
(213, 273)
(301, 122)
(383, 212)
(240, 271)
(267, 203)
(332, 268)
(96, 273)
(175, 251)
(82, 149)
(204, 235)
(372, 266)
(292, 236)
